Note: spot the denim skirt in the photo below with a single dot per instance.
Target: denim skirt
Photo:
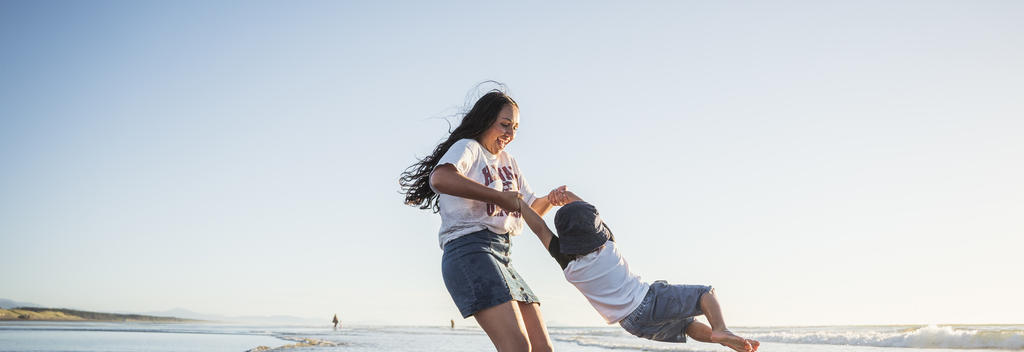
(478, 273)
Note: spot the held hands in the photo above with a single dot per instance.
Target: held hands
(513, 202)
(559, 196)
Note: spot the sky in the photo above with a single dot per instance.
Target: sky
(817, 162)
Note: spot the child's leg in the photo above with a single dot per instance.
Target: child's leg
(702, 332)
(719, 332)
(699, 331)
(712, 311)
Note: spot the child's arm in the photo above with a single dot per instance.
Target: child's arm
(536, 224)
(572, 197)
(543, 232)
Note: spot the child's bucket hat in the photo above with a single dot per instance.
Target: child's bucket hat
(580, 228)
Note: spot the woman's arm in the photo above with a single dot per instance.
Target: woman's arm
(447, 179)
(543, 204)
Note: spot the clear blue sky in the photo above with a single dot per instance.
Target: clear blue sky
(817, 162)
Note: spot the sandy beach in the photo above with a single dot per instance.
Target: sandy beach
(106, 336)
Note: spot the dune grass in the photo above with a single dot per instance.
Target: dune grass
(61, 314)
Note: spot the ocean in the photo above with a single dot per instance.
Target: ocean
(123, 337)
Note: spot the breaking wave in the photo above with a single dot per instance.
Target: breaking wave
(930, 336)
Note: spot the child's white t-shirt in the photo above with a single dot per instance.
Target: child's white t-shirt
(604, 278)
(462, 216)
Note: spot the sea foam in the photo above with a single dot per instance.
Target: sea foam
(930, 336)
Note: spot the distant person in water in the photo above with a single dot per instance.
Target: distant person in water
(335, 321)
(658, 311)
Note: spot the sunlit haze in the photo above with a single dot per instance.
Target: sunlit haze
(816, 162)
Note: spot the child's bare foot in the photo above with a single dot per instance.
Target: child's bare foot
(728, 339)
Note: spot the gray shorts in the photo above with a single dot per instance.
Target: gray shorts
(665, 312)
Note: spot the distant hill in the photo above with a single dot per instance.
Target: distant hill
(12, 310)
(182, 313)
(257, 320)
(61, 314)
(8, 304)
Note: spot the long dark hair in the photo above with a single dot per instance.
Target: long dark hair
(415, 180)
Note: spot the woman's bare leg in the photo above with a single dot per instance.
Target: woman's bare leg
(504, 324)
(535, 327)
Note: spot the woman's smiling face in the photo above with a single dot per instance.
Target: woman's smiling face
(502, 131)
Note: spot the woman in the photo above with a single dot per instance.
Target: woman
(476, 186)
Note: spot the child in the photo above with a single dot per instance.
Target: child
(658, 311)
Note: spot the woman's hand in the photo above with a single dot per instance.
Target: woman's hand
(447, 179)
(511, 201)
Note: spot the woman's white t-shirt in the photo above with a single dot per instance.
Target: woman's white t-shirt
(462, 216)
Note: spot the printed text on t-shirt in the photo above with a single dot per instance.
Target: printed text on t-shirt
(508, 183)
